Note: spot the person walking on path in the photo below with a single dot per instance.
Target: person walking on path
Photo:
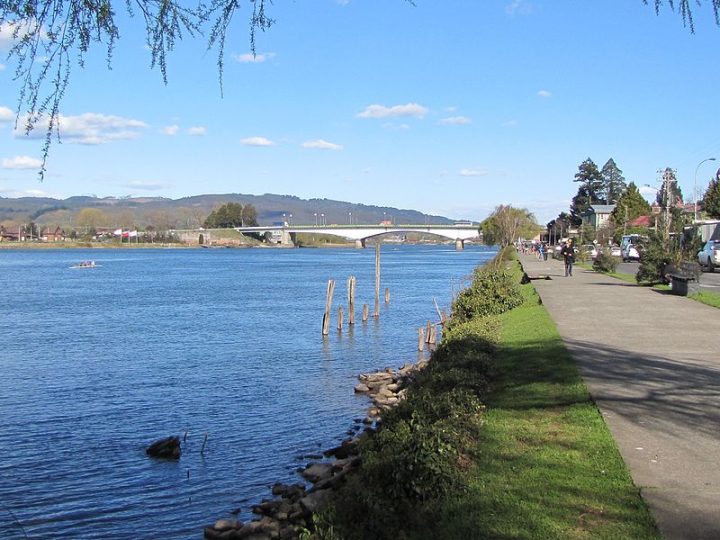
(568, 254)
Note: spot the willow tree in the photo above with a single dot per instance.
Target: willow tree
(51, 36)
(507, 224)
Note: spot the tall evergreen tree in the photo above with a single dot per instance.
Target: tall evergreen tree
(590, 191)
(614, 184)
(670, 193)
(711, 199)
(631, 205)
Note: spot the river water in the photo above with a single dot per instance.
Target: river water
(96, 363)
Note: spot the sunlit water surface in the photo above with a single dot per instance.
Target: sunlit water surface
(97, 363)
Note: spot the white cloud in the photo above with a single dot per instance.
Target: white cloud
(21, 162)
(342, 2)
(519, 7)
(256, 141)
(146, 186)
(171, 130)
(544, 94)
(15, 194)
(510, 123)
(250, 58)
(6, 115)
(8, 28)
(88, 128)
(473, 172)
(322, 145)
(455, 121)
(395, 127)
(197, 131)
(2, 67)
(381, 111)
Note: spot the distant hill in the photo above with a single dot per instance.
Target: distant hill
(191, 211)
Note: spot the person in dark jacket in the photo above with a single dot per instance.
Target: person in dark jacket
(568, 254)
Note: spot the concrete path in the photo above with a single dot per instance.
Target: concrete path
(652, 363)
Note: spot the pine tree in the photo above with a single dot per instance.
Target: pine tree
(613, 182)
(711, 199)
(590, 191)
(669, 194)
(631, 205)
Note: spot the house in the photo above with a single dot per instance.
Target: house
(52, 235)
(597, 214)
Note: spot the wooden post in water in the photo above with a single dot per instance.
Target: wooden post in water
(366, 311)
(340, 318)
(421, 339)
(432, 336)
(328, 307)
(428, 329)
(387, 295)
(351, 300)
(376, 313)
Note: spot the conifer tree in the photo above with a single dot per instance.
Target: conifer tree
(711, 199)
(630, 206)
(613, 182)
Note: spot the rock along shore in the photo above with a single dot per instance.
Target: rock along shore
(291, 510)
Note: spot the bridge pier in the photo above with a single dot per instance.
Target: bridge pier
(459, 244)
(359, 244)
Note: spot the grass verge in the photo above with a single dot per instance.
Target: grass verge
(547, 466)
(536, 462)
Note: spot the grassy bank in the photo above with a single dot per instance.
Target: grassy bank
(498, 439)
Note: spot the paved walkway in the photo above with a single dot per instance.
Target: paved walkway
(652, 363)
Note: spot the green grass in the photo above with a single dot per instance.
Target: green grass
(709, 298)
(546, 465)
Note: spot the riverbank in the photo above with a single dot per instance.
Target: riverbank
(499, 438)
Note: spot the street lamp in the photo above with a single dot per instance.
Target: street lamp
(322, 219)
(695, 192)
(315, 214)
(290, 219)
(350, 218)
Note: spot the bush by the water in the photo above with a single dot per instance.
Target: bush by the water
(493, 291)
(605, 262)
(420, 454)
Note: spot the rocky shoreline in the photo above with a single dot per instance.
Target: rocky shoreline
(291, 510)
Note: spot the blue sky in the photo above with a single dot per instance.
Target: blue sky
(447, 107)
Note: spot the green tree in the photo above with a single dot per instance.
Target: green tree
(669, 195)
(630, 206)
(614, 184)
(711, 199)
(506, 224)
(590, 191)
(232, 215)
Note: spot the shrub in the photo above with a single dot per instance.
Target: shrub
(653, 260)
(493, 291)
(605, 262)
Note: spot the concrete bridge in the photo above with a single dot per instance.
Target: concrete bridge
(360, 233)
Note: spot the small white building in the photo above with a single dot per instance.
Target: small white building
(598, 214)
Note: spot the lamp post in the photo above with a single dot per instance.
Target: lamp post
(322, 219)
(350, 218)
(695, 192)
(315, 214)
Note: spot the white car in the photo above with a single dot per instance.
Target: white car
(709, 255)
(631, 253)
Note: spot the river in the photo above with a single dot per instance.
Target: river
(96, 363)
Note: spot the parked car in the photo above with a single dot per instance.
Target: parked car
(709, 255)
(615, 251)
(631, 253)
(590, 250)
